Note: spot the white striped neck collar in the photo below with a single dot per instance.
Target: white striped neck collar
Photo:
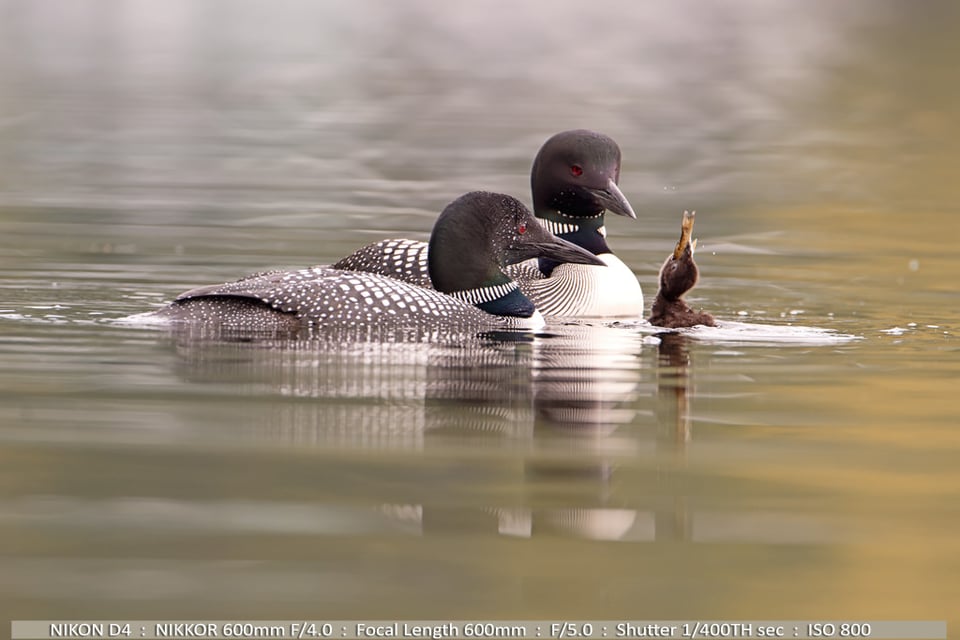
(562, 228)
(481, 295)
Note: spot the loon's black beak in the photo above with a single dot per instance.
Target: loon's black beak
(613, 199)
(537, 242)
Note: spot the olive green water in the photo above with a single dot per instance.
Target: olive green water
(583, 471)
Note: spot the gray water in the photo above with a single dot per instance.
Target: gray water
(580, 471)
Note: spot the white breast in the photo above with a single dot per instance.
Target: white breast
(583, 290)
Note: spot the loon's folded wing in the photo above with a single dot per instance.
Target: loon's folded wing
(327, 295)
(398, 258)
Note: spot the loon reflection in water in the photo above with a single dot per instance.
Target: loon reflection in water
(473, 239)
(579, 394)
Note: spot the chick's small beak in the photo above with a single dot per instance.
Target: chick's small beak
(686, 230)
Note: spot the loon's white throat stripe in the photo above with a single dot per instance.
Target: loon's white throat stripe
(484, 294)
(559, 228)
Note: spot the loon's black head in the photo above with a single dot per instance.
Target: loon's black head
(478, 234)
(576, 173)
(574, 181)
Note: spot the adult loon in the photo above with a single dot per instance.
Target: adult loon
(574, 181)
(473, 239)
(678, 275)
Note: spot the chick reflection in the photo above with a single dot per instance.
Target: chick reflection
(673, 519)
(673, 391)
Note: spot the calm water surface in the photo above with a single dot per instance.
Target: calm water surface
(583, 471)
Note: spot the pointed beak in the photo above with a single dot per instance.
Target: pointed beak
(537, 242)
(613, 199)
(686, 243)
(563, 251)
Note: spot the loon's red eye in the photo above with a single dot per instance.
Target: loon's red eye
(522, 228)
(576, 170)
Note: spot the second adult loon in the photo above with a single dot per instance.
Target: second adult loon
(472, 240)
(574, 182)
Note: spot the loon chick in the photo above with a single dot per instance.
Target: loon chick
(678, 275)
(574, 181)
(474, 237)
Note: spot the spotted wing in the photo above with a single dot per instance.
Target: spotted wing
(328, 296)
(399, 259)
